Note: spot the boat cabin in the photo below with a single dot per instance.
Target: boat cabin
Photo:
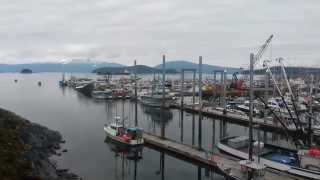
(117, 128)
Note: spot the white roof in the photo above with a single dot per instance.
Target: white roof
(116, 125)
(252, 164)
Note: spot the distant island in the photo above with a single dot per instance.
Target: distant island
(140, 69)
(26, 71)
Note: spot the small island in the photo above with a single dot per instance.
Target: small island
(26, 71)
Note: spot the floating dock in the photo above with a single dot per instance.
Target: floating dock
(218, 162)
(238, 119)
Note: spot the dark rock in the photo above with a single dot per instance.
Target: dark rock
(42, 143)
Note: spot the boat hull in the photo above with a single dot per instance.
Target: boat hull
(270, 164)
(157, 102)
(86, 89)
(118, 139)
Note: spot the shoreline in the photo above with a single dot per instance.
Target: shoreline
(26, 149)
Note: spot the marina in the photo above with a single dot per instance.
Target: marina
(123, 98)
(160, 90)
(277, 114)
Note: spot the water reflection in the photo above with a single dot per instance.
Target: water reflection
(80, 120)
(124, 154)
(158, 115)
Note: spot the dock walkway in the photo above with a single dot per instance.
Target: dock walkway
(237, 118)
(217, 161)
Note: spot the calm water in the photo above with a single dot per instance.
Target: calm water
(80, 120)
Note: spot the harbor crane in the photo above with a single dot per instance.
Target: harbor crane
(239, 84)
(261, 51)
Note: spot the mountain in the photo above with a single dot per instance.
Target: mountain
(141, 69)
(291, 71)
(206, 68)
(74, 67)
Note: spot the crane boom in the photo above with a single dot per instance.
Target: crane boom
(259, 54)
(262, 49)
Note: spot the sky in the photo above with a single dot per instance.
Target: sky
(223, 32)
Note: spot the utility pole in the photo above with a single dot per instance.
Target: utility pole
(252, 59)
(251, 107)
(266, 98)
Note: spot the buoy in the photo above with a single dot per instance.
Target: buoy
(39, 83)
(16, 80)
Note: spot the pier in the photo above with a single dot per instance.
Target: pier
(218, 162)
(237, 118)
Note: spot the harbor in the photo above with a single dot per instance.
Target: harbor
(182, 129)
(160, 90)
(273, 104)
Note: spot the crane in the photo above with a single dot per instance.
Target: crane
(262, 49)
(260, 52)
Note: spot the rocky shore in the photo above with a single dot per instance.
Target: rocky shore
(26, 148)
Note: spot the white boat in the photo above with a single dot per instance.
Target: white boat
(274, 157)
(105, 94)
(126, 136)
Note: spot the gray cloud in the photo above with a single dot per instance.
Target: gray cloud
(223, 32)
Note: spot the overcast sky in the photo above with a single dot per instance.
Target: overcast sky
(224, 32)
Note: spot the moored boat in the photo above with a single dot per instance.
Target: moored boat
(127, 136)
(299, 163)
(85, 88)
(102, 94)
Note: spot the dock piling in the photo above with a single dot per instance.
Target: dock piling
(163, 95)
(135, 95)
(200, 105)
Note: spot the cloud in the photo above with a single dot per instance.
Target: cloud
(223, 32)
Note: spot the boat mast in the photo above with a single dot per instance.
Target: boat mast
(310, 112)
(293, 99)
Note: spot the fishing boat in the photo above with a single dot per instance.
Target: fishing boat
(102, 94)
(63, 82)
(127, 136)
(121, 93)
(157, 98)
(303, 163)
(85, 87)
(245, 108)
